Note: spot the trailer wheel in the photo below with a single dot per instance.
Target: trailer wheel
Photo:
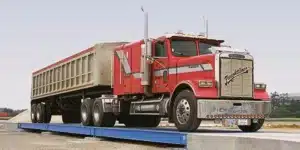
(71, 117)
(48, 113)
(101, 118)
(33, 113)
(185, 112)
(86, 112)
(253, 127)
(40, 113)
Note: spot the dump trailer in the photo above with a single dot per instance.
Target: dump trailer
(182, 77)
(61, 86)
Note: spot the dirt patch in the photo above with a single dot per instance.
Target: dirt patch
(294, 126)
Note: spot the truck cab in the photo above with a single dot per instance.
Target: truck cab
(189, 78)
(210, 69)
(215, 81)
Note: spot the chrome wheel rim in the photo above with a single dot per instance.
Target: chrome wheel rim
(183, 111)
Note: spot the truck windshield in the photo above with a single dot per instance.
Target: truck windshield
(205, 48)
(183, 48)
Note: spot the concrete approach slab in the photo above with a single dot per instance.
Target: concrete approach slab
(233, 140)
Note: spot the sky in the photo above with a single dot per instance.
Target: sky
(36, 33)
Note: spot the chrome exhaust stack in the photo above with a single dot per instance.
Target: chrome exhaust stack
(146, 54)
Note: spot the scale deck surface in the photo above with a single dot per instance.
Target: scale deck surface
(156, 135)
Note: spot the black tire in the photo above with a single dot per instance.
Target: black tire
(142, 121)
(150, 121)
(132, 121)
(40, 113)
(101, 118)
(253, 127)
(192, 122)
(48, 113)
(33, 113)
(87, 112)
(71, 117)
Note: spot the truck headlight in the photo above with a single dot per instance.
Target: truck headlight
(261, 86)
(205, 83)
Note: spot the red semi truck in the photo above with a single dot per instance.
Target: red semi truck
(185, 78)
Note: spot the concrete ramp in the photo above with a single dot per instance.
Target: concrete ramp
(21, 117)
(241, 141)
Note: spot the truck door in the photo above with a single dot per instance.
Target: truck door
(160, 67)
(123, 67)
(127, 74)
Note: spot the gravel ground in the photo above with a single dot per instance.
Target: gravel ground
(11, 139)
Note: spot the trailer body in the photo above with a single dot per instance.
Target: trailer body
(87, 69)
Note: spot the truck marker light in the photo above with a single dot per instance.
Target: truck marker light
(260, 86)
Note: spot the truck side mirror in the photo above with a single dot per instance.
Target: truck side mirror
(165, 75)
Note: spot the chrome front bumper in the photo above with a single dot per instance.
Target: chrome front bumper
(223, 109)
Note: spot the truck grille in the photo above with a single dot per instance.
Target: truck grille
(236, 78)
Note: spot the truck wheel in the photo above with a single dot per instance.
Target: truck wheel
(71, 117)
(132, 121)
(101, 118)
(185, 112)
(253, 127)
(142, 121)
(40, 113)
(150, 121)
(33, 113)
(48, 113)
(86, 112)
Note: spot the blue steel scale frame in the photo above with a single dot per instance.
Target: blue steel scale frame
(146, 135)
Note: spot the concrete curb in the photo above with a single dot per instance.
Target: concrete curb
(215, 142)
(9, 126)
